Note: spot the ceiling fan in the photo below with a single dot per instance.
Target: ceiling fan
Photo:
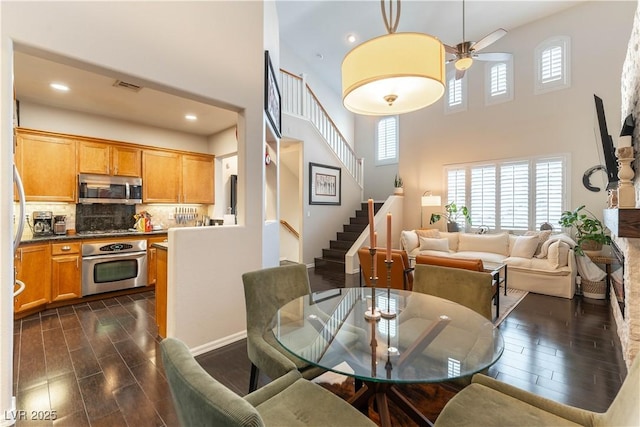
(467, 51)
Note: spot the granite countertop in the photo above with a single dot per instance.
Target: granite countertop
(84, 236)
(161, 245)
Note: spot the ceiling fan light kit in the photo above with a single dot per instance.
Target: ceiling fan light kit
(393, 74)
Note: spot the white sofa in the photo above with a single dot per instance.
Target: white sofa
(538, 262)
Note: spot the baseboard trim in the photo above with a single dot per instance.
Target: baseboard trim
(213, 345)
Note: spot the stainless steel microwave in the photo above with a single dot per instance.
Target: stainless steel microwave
(109, 189)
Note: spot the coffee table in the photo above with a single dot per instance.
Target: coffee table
(430, 340)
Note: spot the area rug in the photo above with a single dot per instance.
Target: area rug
(508, 302)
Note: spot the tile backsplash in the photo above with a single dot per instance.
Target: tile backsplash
(113, 216)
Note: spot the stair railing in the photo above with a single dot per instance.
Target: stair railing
(290, 228)
(299, 100)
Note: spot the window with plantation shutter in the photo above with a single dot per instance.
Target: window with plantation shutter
(498, 82)
(483, 196)
(511, 194)
(549, 191)
(514, 196)
(553, 65)
(456, 94)
(456, 187)
(387, 141)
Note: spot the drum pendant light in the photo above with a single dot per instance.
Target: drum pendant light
(395, 73)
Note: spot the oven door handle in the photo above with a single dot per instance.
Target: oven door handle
(115, 255)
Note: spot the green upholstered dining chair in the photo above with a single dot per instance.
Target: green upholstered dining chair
(265, 291)
(473, 289)
(489, 402)
(290, 400)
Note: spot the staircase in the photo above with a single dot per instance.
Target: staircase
(333, 258)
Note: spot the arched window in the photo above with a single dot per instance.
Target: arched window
(553, 64)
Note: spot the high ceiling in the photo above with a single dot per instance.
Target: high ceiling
(315, 31)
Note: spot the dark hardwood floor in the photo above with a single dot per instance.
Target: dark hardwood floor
(97, 364)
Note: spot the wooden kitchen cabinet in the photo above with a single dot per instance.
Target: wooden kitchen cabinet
(152, 258)
(161, 176)
(47, 165)
(170, 177)
(33, 267)
(66, 271)
(109, 159)
(197, 179)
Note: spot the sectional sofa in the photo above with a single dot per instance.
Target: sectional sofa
(537, 261)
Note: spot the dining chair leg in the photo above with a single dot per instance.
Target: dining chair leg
(253, 378)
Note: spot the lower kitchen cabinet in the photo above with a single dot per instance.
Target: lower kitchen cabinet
(66, 269)
(33, 267)
(151, 259)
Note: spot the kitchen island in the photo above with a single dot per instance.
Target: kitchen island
(162, 258)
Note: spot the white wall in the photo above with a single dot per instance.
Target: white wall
(320, 222)
(330, 100)
(190, 60)
(41, 117)
(563, 121)
(378, 180)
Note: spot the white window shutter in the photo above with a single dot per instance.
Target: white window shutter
(514, 196)
(549, 189)
(483, 196)
(387, 141)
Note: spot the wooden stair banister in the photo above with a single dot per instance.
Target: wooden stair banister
(290, 228)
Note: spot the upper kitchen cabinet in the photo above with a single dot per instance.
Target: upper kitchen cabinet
(47, 164)
(109, 159)
(172, 177)
(197, 179)
(161, 172)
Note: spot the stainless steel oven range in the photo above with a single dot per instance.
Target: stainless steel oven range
(111, 266)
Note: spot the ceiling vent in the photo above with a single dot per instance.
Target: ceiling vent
(129, 86)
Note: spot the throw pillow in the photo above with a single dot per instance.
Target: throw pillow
(558, 254)
(431, 232)
(431, 244)
(543, 236)
(409, 240)
(494, 243)
(525, 246)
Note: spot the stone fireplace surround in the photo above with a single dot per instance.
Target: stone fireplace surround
(629, 325)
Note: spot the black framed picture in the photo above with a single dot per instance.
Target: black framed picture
(324, 184)
(272, 96)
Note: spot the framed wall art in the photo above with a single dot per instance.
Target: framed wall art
(272, 96)
(324, 184)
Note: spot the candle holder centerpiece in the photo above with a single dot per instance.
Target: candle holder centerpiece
(373, 313)
(388, 313)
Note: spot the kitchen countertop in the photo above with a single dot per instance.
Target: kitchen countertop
(161, 245)
(84, 236)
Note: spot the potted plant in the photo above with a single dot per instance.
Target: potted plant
(590, 232)
(397, 185)
(453, 213)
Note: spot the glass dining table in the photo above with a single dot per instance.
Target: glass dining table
(408, 337)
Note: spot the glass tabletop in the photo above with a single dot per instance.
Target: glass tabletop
(429, 340)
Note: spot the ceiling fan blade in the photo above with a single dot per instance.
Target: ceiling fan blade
(494, 56)
(489, 39)
(459, 74)
(450, 49)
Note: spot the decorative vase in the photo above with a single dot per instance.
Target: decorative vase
(452, 227)
(398, 191)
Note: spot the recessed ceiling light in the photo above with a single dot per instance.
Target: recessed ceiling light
(59, 86)
(351, 38)
(191, 117)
